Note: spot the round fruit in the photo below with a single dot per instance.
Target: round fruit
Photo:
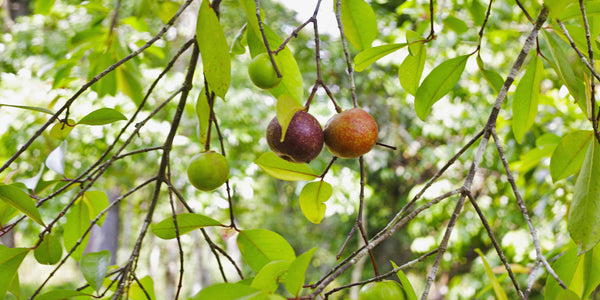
(208, 170)
(386, 289)
(303, 138)
(350, 133)
(262, 72)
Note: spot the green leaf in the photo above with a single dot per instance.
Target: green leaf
(238, 44)
(455, 24)
(49, 251)
(533, 157)
(370, 55)
(294, 280)
(186, 222)
(61, 130)
(411, 69)
(493, 78)
(579, 274)
(500, 294)
(216, 61)
(260, 246)
(226, 291)
(78, 220)
(573, 11)
(43, 6)
(477, 12)
(438, 83)
(584, 214)
(7, 212)
(408, 289)
(94, 266)
(203, 114)
(96, 201)
(569, 154)
(40, 109)
(129, 82)
(414, 41)
(360, 23)
(312, 197)
(102, 116)
(61, 294)
(556, 7)
(137, 293)
(268, 277)
(107, 85)
(287, 107)
(18, 199)
(284, 170)
(10, 260)
(525, 103)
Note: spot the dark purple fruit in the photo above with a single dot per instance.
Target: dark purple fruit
(303, 139)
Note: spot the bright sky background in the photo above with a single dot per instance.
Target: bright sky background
(305, 8)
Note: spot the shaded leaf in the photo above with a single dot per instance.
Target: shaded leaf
(360, 23)
(227, 291)
(455, 24)
(94, 266)
(411, 69)
(287, 107)
(579, 273)
(312, 197)
(526, 98)
(40, 109)
(186, 222)
(102, 116)
(500, 294)
(584, 213)
(438, 83)
(283, 169)
(10, 260)
(296, 274)
(62, 294)
(569, 154)
(368, 56)
(7, 212)
(203, 114)
(18, 199)
(78, 220)
(129, 82)
(216, 61)
(260, 246)
(49, 251)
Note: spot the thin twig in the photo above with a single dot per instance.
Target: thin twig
(349, 68)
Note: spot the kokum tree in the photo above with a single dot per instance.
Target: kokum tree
(481, 177)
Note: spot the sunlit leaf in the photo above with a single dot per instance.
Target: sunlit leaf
(49, 251)
(578, 273)
(525, 103)
(94, 266)
(296, 274)
(268, 277)
(60, 130)
(500, 293)
(407, 288)
(438, 83)
(10, 260)
(143, 289)
(286, 109)
(216, 62)
(227, 291)
(283, 169)
(312, 198)
(78, 221)
(102, 116)
(260, 246)
(32, 183)
(203, 114)
(43, 6)
(33, 108)
(569, 154)
(129, 82)
(370, 55)
(411, 69)
(96, 201)
(455, 24)
(186, 222)
(584, 213)
(61, 294)
(18, 199)
(360, 23)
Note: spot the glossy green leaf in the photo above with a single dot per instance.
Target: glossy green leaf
(94, 266)
(10, 260)
(49, 251)
(60, 130)
(584, 213)
(78, 220)
(203, 114)
(33, 108)
(96, 201)
(360, 23)
(144, 290)
(408, 289)
(411, 69)
(438, 83)
(260, 246)
(296, 274)
(102, 116)
(216, 62)
(569, 154)
(312, 198)
(287, 107)
(500, 293)
(267, 279)
(62, 294)
(370, 55)
(186, 222)
(526, 98)
(227, 291)
(17, 198)
(283, 169)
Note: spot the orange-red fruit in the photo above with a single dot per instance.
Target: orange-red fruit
(350, 133)
(303, 139)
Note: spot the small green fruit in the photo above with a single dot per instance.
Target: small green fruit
(350, 133)
(262, 72)
(208, 170)
(386, 289)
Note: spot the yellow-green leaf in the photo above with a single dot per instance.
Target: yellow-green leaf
(18, 199)
(569, 154)
(360, 23)
(500, 293)
(10, 260)
(260, 246)
(49, 251)
(286, 109)
(283, 169)
(186, 222)
(312, 198)
(526, 98)
(411, 69)
(370, 55)
(102, 116)
(203, 114)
